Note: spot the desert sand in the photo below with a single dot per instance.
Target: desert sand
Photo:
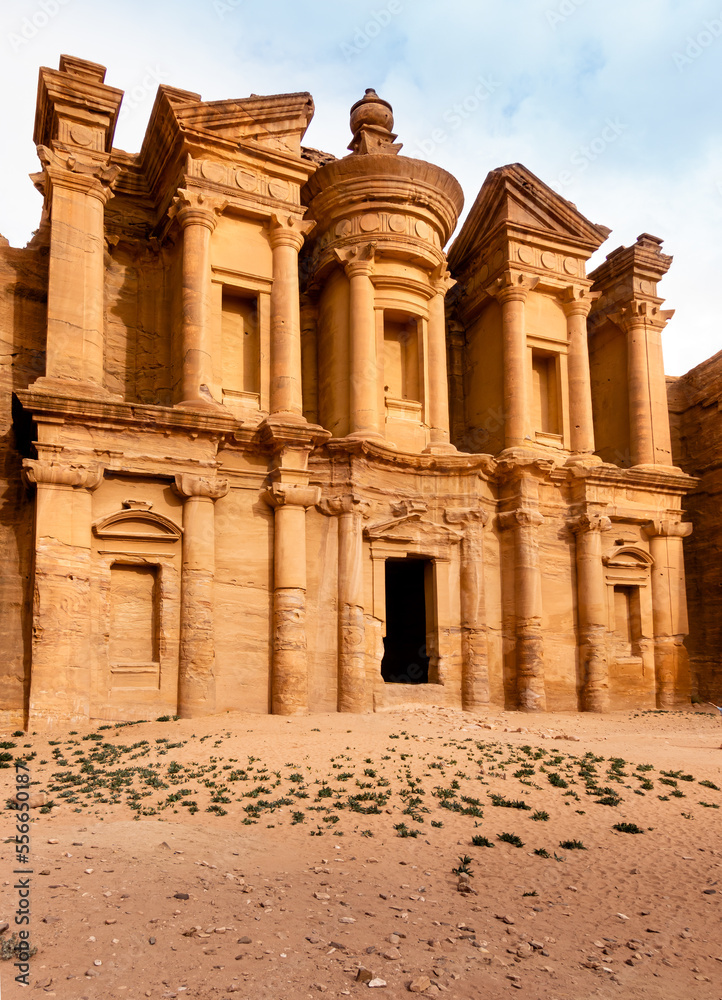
(264, 857)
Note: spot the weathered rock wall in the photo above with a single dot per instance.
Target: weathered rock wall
(695, 402)
(23, 276)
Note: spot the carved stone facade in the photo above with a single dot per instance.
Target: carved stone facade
(281, 452)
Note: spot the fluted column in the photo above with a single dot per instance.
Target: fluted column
(289, 681)
(650, 439)
(197, 214)
(62, 648)
(592, 611)
(581, 419)
(511, 292)
(350, 510)
(197, 676)
(475, 693)
(669, 609)
(77, 195)
(286, 237)
(438, 381)
(525, 522)
(364, 418)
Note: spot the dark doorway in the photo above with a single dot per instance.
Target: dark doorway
(405, 660)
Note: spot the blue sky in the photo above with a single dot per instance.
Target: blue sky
(615, 103)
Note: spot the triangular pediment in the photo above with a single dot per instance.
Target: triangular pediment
(412, 529)
(515, 198)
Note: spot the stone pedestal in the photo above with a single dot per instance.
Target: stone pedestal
(197, 214)
(475, 693)
(197, 681)
(671, 663)
(524, 523)
(62, 648)
(592, 611)
(289, 681)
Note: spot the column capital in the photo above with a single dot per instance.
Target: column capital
(441, 280)
(288, 231)
(38, 472)
(90, 175)
(640, 313)
(349, 503)
(188, 486)
(193, 207)
(357, 260)
(522, 517)
(512, 286)
(467, 516)
(589, 522)
(577, 300)
(667, 529)
(287, 495)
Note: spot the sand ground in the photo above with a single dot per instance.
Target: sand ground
(272, 858)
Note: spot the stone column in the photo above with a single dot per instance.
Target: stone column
(592, 611)
(650, 439)
(77, 195)
(475, 693)
(350, 510)
(197, 214)
(309, 358)
(511, 292)
(438, 402)
(289, 682)
(528, 607)
(576, 308)
(364, 419)
(286, 237)
(197, 677)
(62, 647)
(669, 605)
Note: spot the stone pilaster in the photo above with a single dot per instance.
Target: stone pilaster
(289, 681)
(511, 292)
(592, 610)
(438, 402)
(197, 678)
(350, 510)
(62, 647)
(475, 692)
(525, 522)
(197, 214)
(669, 604)
(309, 358)
(364, 415)
(576, 304)
(650, 441)
(286, 236)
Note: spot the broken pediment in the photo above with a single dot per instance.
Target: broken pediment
(137, 521)
(278, 122)
(412, 529)
(513, 197)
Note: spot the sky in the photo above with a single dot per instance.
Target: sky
(613, 103)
